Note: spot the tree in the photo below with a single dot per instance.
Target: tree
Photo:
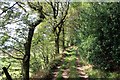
(60, 11)
(99, 34)
(107, 39)
(30, 29)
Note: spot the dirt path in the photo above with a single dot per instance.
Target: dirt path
(80, 70)
(56, 71)
(70, 67)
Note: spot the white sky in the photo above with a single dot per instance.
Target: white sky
(63, 0)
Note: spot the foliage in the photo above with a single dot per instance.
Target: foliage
(99, 34)
(97, 73)
(42, 48)
(105, 54)
(93, 27)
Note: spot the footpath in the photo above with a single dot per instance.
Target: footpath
(70, 67)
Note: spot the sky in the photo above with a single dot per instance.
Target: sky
(64, 0)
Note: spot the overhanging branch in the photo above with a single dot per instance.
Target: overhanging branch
(11, 55)
(8, 8)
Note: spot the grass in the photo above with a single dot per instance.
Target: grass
(59, 76)
(73, 70)
(14, 70)
(69, 63)
(97, 73)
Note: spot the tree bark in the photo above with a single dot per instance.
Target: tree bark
(26, 58)
(63, 39)
(58, 26)
(6, 73)
(57, 44)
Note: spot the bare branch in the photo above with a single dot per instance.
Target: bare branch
(53, 8)
(21, 7)
(57, 8)
(62, 20)
(8, 8)
(11, 55)
(18, 50)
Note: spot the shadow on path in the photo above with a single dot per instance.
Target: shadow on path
(69, 67)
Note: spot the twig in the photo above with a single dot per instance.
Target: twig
(8, 8)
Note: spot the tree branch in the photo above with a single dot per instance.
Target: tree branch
(8, 8)
(22, 7)
(53, 8)
(62, 20)
(41, 15)
(18, 50)
(11, 55)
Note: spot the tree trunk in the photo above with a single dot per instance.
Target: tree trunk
(63, 41)
(26, 58)
(26, 69)
(57, 44)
